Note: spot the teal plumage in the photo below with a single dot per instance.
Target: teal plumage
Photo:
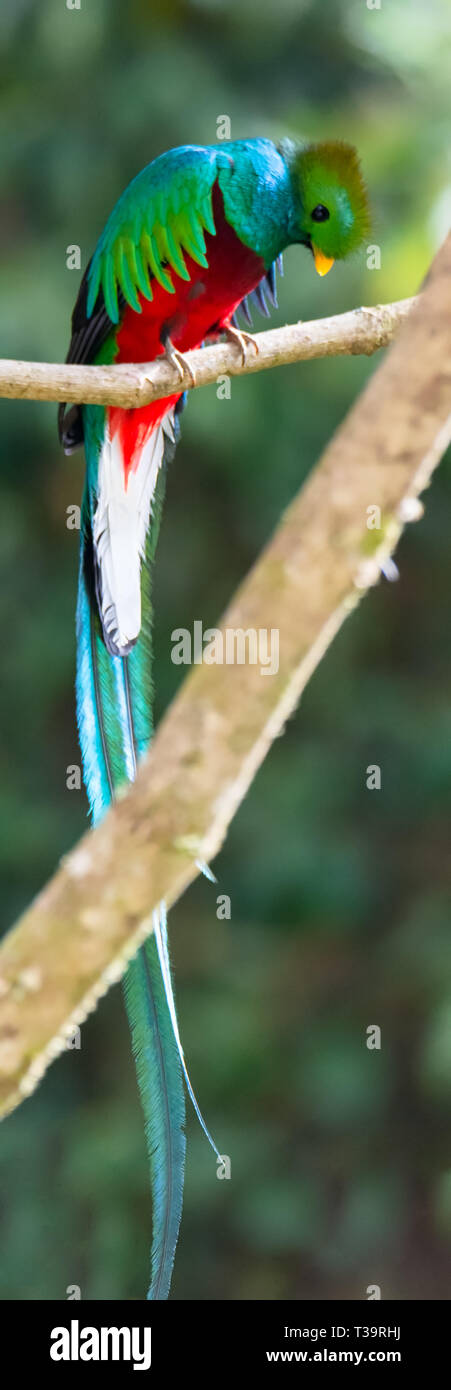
(114, 705)
(193, 235)
(163, 1100)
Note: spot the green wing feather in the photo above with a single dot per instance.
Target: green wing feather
(163, 213)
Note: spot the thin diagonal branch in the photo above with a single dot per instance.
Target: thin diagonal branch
(360, 331)
(78, 935)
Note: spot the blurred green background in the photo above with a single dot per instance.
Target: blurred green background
(341, 897)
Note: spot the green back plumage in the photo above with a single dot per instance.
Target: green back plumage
(154, 222)
(269, 195)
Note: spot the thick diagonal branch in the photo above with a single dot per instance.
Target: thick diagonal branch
(78, 935)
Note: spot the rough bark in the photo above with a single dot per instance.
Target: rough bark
(78, 935)
(360, 331)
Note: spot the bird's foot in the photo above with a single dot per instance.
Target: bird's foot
(243, 340)
(178, 360)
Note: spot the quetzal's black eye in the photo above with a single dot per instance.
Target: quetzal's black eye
(320, 213)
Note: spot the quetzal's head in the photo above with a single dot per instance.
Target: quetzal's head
(330, 212)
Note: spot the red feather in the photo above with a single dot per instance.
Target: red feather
(200, 307)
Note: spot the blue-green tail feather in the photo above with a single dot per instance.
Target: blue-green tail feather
(163, 1100)
(114, 708)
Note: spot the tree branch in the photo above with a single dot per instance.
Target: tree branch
(82, 929)
(360, 331)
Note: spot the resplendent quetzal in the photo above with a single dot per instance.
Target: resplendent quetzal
(194, 233)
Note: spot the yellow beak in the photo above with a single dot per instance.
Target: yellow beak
(322, 263)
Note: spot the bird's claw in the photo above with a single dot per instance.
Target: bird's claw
(243, 340)
(178, 361)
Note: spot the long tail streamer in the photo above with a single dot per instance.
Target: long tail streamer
(114, 706)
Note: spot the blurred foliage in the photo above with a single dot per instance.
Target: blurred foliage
(341, 897)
